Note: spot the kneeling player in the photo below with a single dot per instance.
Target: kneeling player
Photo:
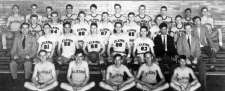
(78, 75)
(115, 74)
(44, 76)
(148, 73)
(181, 77)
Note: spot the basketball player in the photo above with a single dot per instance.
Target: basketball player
(34, 8)
(181, 77)
(48, 41)
(188, 16)
(47, 16)
(119, 42)
(93, 44)
(81, 29)
(93, 16)
(35, 28)
(142, 45)
(69, 16)
(57, 26)
(147, 76)
(165, 17)
(177, 29)
(13, 25)
(206, 17)
(117, 16)
(115, 76)
(154, 30)
(142, 18)
(44, 75)
(131, 28)
(78, 75)
(67, 43)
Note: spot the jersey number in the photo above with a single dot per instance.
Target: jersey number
(94, 46)
(119, 44)
(46, 46)
(66, 43)
(144, 48)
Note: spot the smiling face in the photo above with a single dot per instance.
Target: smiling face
(25, 28)
(143, 32)
(118, 28)
(141, 10)
(118, 60)
(47, 29)
(15, 9)
(43, 56)
(67, 28)
(117, 9)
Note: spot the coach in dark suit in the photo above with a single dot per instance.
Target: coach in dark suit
(164, 43)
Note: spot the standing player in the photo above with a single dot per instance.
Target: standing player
(67, 43)
(47, 42)
(69, 16)
(35, 28)
(177, 29)
(165, 17)
(44, 75)
(57, 27)
(131, 28)
(118, 16)
(188, 16)
(81, 29)
(78, 75)
(142, 18)
(181, 77)
(115, 76)
(148, 73)
(34, 8)
(119, 42)
(13, 25)
(47, 16)
(142, 45)
(206, 18)
(93, 16)
(94, 45)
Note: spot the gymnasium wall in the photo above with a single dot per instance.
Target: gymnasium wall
(216, 7)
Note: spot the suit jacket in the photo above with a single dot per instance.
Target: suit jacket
(183, 47)
(204, 36)
(30, 46)
(160, 49)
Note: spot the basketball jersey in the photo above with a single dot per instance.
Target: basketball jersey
(167, 19)
(91, 18)
(46, 19)
(68, 44)
(149, 73)
(119, 42)
(105, 30)
(188, 20)
(120, 18)
(40, 18)
(44, 71)
(69, 18)
(94, 43)
(143, 45)
(178, 30)
(143, 21)
(183, 75)
(132, 30)
(35, 30)
(78, 71)
(47, 43)
(15, 22)
(57, 28)
(117, 73)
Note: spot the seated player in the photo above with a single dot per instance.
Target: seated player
(93, 16)
(119, 43)
(70, 16)
(12, 26)
(81, 29)
(23, 50)
(142, 45)
(148, 73)
(67, 44)
(181, 77)
(94, 46)
(78, 75)
(115, 76)
(47, 42)
(44, 76)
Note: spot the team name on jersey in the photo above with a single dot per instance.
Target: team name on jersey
(94, 42)
(143, 44)
(45, 71)
(183, 78)
(67, 40)
(119, 40)
(78, 71)
(47, 42)
(55, 29)
(104, 31)
(150, 73)
(116, 75)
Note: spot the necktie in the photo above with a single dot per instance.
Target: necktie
(23, 42)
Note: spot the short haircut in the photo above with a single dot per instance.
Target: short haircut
(159, 15)
(187, 9)
(69, 5)
(163, 7)
(177, 16)
(42, 51)
(181, 57)
(54, 12)
(118, 23)
(117, 55)
(47, 24)
(94, 6)
(196, 17)
(147, 53)
(142, 6)
(145, 27)
(81, 12)
(32, 5)
(94, 24)
(49, 7)
(105, 13)
(24, 24)
(79, 52)
(33, 15)
(66, 23)
(131, 13)
(117, 5)
(15, 5)
(204, 8)
(163, 25)
(187, 24)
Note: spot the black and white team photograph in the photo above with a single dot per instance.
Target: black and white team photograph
(112, 45)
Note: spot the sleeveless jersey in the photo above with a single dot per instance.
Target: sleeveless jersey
(94, 43)
(120, 18)
(149, 73)
(183, 75)
(105, 30)
(68, 44)
(47, 43)
(132, 30)
(57, 29)
(78, 71)
(15, 22)
(143, 45)
(69, 18)
(143, 21)
(119, 42)
(91, 18)
(44, 71)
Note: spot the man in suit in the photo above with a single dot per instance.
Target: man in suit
(206, 45)
(23, 50)
(189, 45)
(164, 48)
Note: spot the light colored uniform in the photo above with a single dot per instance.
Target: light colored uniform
(68, 44)
(78, 71)
(132, 30)
(119, 43)
(15, 22)
(120, 18)
(47, 43)
(45, 71)
(40, 18)
(105, 30)
(67, 18)
(143, 45)
(57, 29)
(35, 30)
(94, 43)
(92, 18)
(143, 21)
(149, 73)
(205, 20)
(183, 75)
